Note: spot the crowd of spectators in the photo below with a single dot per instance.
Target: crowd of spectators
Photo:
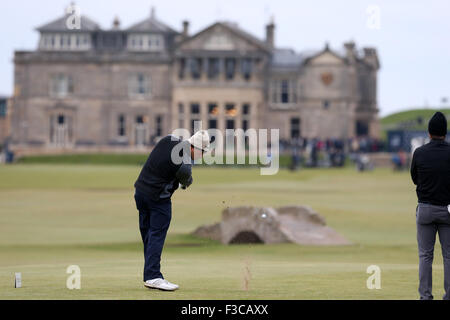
(314, 152)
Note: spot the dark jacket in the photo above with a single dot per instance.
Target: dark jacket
(160, 176)
(430, 171)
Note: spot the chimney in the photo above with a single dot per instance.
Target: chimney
(270, 34)
(152, 13)
(185, 29)
(371, 57)
(369, 52)
(116, 23)
(350, 50)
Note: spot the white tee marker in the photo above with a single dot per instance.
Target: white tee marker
(18, 280)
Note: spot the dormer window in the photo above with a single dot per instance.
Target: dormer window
(145, 42)
(65, 41)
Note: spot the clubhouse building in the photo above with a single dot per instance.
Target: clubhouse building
(124, 88)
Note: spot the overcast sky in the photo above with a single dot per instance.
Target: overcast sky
(413, 38)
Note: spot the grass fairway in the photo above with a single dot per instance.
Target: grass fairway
(53, 216)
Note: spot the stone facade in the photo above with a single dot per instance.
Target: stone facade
(122, 89)
(5, 116)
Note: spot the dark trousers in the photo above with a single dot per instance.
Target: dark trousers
(154, 221)
(430, 220)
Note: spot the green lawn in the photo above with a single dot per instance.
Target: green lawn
(414, 119)
(53, 216)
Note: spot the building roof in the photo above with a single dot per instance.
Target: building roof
(151, 24)
(286, 58)
(235, 27)
(335, 53)
(59, 24)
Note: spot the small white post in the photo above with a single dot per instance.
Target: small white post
(18, 280)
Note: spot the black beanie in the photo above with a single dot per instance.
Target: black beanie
(437, 125)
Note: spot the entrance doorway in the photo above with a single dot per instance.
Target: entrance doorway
(60, 130)
(140, 128)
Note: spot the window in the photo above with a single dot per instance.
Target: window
(61, 85)
(245, 125)
(246, 109)
(230, 68)
(139, 119)
(213, 68)
(362, 128)
(245, 116)
(295, 127)
(61, 119)
(139, 85)
(213, 109)
(212, 123)
(62, 41)
(159, 126)
(230, 110)
(246, 68)
(284, 91)
(196, 65)
(230, 124)
(121, 128)
(68, 40)
(195, 115)
(3, 108)
(193, 121)
(180, 115)
(195, 108)
(145, 42)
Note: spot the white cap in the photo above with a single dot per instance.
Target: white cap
(200, 140)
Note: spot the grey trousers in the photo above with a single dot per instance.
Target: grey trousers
(430, 220)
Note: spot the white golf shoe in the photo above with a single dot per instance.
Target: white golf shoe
(160, 284)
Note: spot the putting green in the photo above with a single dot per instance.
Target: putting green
(60, 215)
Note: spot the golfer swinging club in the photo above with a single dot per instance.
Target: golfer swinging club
(158, 180)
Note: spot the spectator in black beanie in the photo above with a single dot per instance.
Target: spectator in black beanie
(437, 126)
(430, 171)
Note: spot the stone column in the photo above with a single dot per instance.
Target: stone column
(221, 69)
